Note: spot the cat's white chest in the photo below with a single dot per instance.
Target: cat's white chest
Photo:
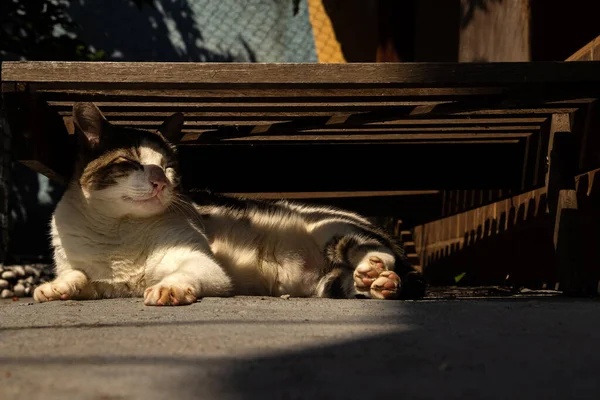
(116, 258)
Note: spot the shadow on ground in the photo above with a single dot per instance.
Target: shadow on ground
(304, 349)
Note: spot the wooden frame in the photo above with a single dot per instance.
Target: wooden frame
(463, 134)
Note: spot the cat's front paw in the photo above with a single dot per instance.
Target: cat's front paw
(169, 295)
(57, 290)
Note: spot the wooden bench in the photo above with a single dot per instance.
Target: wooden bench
(381, 138)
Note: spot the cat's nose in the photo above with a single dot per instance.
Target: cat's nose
(157, 178)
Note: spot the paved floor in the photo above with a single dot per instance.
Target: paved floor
(260, 348)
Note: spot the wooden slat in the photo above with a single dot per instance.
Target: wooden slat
(463, 121)
(331, 195)
(254, 106)
(434, 74)
(201, 124)
(85, 91)
(421, 138)
(590, 51)
(159, 116)
(377, 128)
(304, 140)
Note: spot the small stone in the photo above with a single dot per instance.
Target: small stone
(3, 284)
(19, 270)
(19, 290)
(6, 294)
(29, 270)
(8, 275)
(285, 296)
(28, 291)
(30, 280)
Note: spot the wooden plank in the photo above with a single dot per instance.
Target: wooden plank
(562, 203)
(388, 128)
(263, 141)
(464, 121)
(389, 137)
(89, 91)
(159, 116)
(253, 106)
(589, 52)
(202, 124)
(289, 74)
(331, 195)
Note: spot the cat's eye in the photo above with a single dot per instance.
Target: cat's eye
(125, 160)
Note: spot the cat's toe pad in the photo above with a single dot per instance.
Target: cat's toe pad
(57, 290)
(367, 272)
(169, 295)
(385, 286)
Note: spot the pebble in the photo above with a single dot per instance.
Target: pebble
(19, 270)
(19, 290)
(21, 280)
(8, 275)
(285, 296)
(32, 272)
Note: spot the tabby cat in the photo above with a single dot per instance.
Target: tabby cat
(124, 229)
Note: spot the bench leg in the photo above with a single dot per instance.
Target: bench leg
(568, 221)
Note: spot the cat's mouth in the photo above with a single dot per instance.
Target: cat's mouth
(147, 200)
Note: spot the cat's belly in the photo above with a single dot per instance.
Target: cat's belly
(271, 266)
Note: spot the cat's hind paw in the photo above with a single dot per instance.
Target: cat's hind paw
(169, 295)
(373, 279)
(386, 286)
(57, 290)
(366, 273)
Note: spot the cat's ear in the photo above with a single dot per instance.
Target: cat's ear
(171, 128)
(90, 120)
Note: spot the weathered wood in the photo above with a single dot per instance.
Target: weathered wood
(464, 121)
(388, 137)
(289, 74)
(270, 141)
(255, 106)
(516, 231)
(377, 128)
(494, 31)
(90, 91)
(331, 195)
(589, 52)
(562, 203)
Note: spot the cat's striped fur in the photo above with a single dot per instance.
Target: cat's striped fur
(123, 229)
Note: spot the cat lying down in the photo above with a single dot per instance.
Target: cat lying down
(122, 229)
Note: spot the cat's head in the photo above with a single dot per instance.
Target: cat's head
(125, 171)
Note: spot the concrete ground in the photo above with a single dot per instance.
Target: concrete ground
(260, 348)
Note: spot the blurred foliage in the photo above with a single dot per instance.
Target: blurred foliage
(43, 30)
